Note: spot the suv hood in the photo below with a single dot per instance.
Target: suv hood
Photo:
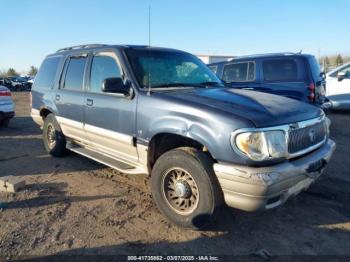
(260, 108)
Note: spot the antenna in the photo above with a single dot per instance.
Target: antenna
(149, 26)
(149, 45)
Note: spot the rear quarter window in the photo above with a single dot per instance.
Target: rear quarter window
(47, 72)
(280, 70)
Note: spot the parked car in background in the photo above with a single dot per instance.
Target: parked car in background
(4, 81)
(292, 75)
(31, 79)
(7, 108)
(338, 87)
(163, 112)
(19, 83)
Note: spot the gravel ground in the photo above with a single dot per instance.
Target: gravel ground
(73, 205)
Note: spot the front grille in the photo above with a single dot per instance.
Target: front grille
(303, 138)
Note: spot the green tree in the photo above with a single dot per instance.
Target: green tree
(339, 60)
(11, 72)
(33, 71)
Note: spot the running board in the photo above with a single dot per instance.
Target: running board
(106, 160)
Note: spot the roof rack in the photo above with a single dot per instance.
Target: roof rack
(79, 47)
(267, 54)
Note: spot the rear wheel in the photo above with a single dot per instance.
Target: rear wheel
(185, 188)
(54, 140)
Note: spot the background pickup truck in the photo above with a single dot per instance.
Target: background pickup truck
(163, 112)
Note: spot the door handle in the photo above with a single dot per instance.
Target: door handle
(57, 97)
(89, 102)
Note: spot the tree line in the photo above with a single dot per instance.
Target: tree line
(12, 72)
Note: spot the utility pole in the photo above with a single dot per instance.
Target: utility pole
(149, 25)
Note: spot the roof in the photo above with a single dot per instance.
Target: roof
(87, 47)
(267, 55)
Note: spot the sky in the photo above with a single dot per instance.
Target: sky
(32, 29)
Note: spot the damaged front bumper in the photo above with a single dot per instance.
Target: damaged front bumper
(259, 188)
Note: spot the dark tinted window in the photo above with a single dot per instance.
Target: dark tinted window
(280, 70)
(103, 67)
(75, 73)
(46, 75)
(239, 72)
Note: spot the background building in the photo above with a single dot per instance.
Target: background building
(208, 59)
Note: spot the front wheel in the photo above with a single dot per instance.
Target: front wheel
(185, 188)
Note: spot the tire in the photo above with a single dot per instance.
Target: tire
(202, 187)
(54, 140)
(5, 122)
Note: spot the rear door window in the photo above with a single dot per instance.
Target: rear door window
(280, 70)
(75, 73)
(46, 75)
(239, 72)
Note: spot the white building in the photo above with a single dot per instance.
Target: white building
(208, 59)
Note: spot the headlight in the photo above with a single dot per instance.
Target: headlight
(262, 145)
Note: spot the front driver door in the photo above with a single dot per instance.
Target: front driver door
(110, 119)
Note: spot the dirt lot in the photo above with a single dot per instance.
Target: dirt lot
(73, 205)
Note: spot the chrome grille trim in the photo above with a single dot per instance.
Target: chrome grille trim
(320, 122)
(300, 138)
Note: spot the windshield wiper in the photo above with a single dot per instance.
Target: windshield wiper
(202, 85)
(211, 83)
(170, 85)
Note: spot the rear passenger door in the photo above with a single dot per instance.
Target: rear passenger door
(240, 75)
(69, 97)
(110, 118)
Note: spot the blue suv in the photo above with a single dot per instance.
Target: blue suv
(163, 112)
(293, 75)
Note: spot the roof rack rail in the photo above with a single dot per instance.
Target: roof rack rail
(79, 47)
(266, 54)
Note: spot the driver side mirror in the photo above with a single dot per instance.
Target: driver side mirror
(116, 85)
(341, 76)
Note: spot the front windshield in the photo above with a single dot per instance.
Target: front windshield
(161, 68)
